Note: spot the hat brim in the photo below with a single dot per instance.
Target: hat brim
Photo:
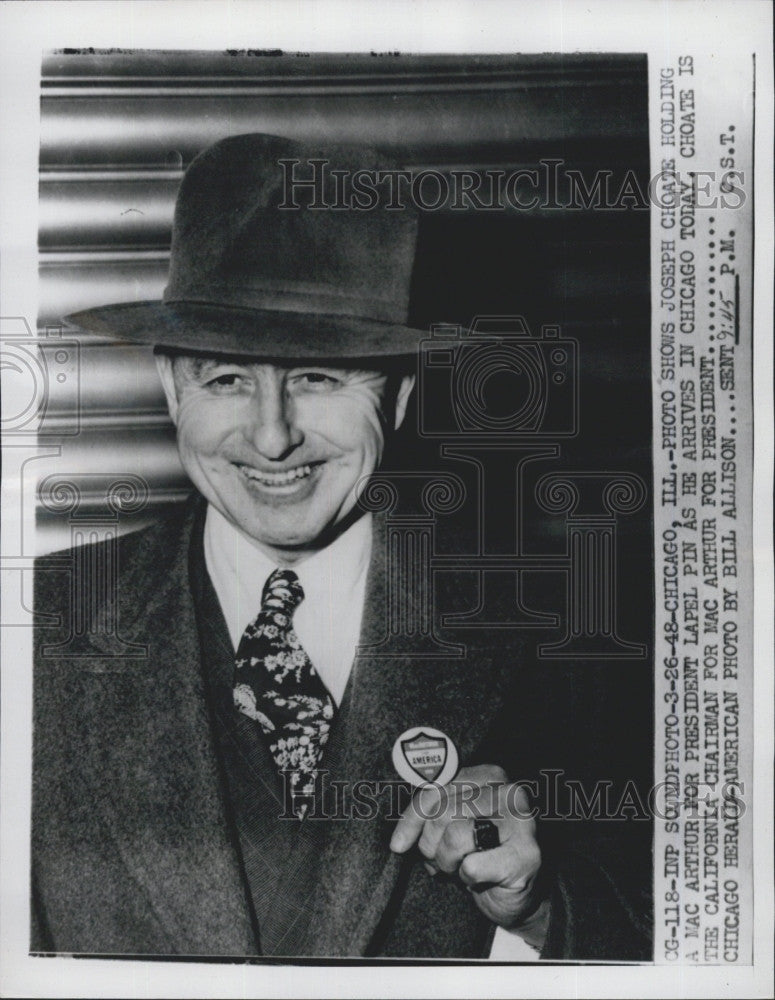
(250, 332)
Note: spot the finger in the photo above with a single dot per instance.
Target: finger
(475, 791)
(432, 832)
(453, 808)
(426, 802)
(456, 842)
(483, 774)
(514, 806)
(512, 865)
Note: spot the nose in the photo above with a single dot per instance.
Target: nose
(272, 430)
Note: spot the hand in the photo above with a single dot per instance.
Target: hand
(440, 821)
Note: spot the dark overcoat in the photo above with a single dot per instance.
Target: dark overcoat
(134, 851)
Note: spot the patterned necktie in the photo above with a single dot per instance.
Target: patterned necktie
(276, 684)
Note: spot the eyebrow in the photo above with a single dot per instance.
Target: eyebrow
(198, 365)
(194, 365)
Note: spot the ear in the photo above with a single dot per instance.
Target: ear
(402, 399)
(164, 366)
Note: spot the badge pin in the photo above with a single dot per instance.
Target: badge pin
(423, 755)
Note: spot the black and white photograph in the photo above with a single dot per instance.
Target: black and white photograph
(379, 494)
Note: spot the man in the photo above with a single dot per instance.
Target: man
(179, 800)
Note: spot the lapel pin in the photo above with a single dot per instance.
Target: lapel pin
(423, 755)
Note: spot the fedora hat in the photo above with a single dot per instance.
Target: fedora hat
(262, 269)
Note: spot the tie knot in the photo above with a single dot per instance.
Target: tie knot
(282, 591)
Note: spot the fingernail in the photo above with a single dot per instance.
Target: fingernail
(397, 843)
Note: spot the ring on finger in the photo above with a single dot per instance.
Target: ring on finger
(486, 835)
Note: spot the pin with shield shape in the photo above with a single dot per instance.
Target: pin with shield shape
(423, 755)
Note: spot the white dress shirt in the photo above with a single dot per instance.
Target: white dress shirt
(327, 622)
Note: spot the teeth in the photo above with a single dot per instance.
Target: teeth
(277, 478)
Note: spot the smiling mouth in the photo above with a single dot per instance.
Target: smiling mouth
(277, 480)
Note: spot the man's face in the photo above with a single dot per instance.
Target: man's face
(279, 450)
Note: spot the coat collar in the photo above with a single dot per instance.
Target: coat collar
(170, 831)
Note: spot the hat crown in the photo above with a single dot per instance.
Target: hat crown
(245, 233)
(265, 265)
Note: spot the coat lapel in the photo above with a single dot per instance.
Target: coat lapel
(153, 734)
(165, 810)
(386, 696)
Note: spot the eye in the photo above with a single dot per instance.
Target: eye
(316, 381)
(225, 382)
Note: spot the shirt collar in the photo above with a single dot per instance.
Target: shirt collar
(239, 568)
